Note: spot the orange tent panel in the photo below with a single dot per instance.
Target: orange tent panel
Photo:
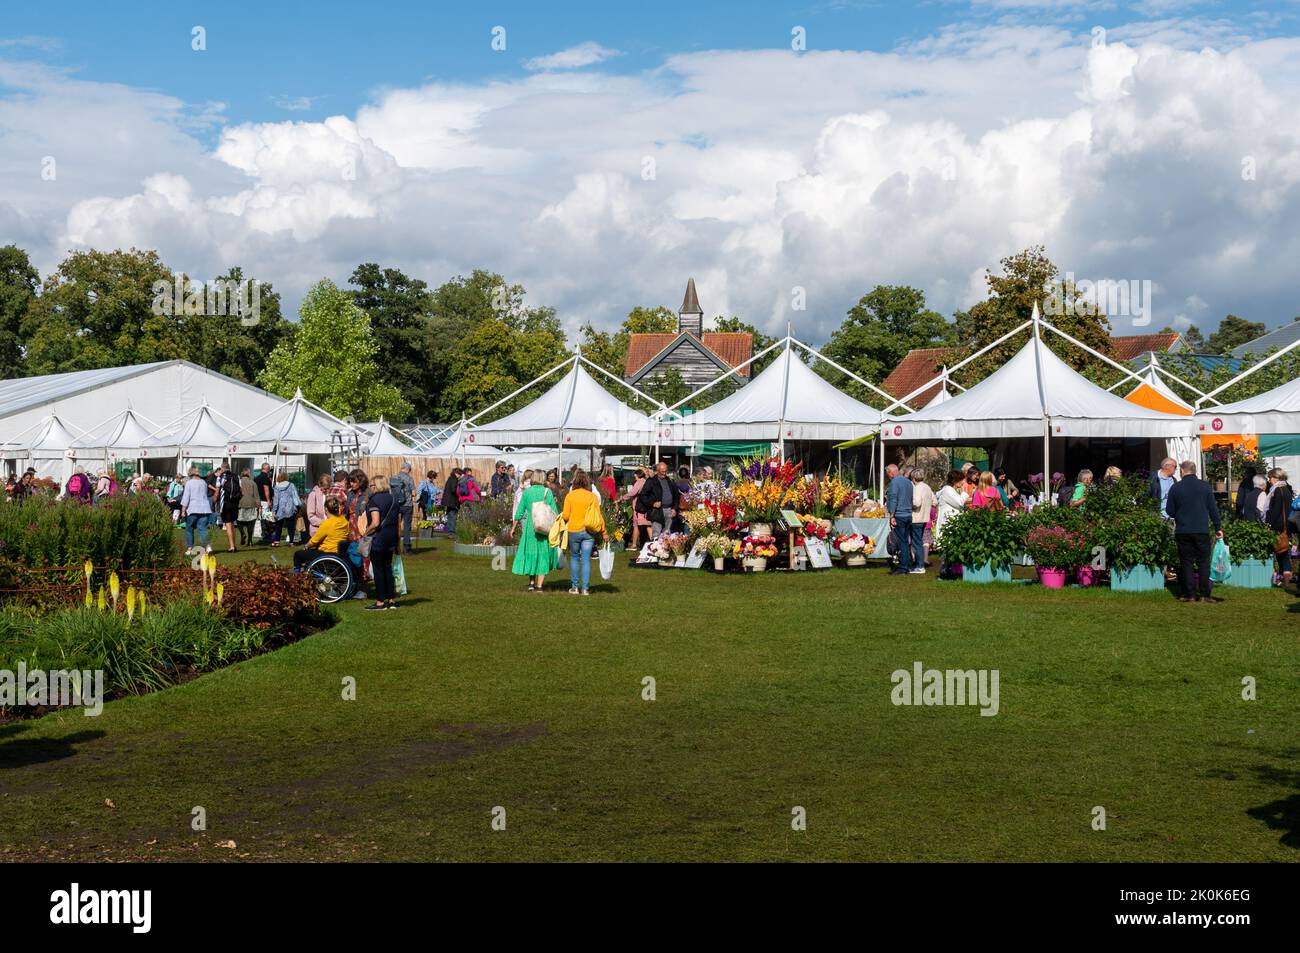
(1144, 395)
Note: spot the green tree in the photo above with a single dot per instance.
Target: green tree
(610, 350)
(886, 323)
(734, 325)
(100, 309)
(400, 309)
(1232, 332)
(18, 284)
(669, 386)
(1030, 277)
(223, 342)
(501, 354)
(331, 358)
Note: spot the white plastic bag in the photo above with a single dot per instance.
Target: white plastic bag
(399, 576)
(606, 562)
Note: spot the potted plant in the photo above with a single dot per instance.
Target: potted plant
(984, 541)
(755, 551)
(1250, 548)
(1055, 550)
(854, 547)
(1138, 546)
(718, 547)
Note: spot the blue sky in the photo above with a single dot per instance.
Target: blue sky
(910, 143)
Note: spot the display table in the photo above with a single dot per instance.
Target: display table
(876, 530)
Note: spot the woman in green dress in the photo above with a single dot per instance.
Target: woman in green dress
(534, 557)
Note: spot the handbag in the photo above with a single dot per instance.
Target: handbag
(1283, 543)
(543, 518)
(594, 521)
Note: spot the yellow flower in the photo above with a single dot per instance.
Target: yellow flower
(102, 602)
(221, 591)
(139, 598)
(114, 587)
(89, 600)
(89, 569)
(130, 603)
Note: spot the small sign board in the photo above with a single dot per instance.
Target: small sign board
(791, 520)
(696, 559)
(819, 554)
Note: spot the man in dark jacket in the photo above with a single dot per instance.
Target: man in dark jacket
(1190, 504)
(451, 500)
(659, 498)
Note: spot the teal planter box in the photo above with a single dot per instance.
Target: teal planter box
(1137, 579)
(987, 573)
(1251, 574)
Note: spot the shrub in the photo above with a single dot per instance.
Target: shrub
(263, 597)
(1247, 539)
(1109, 501)
(1139, 538)
(127, 532)
(976, 537)
(490, 518)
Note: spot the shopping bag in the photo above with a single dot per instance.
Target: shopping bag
(594, 522)
(399, 576)
(543, 518)
(1220, 562)
(606, 562)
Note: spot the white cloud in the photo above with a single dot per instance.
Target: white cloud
(575, 57)
(753, 171)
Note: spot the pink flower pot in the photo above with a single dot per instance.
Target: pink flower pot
(1052, 578)
(1084, 575)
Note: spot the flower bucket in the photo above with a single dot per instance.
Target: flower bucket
(855, 559)
(987, 573)
(679, 562)
(1251, 574)
(755, 563)
(1084, 575)
(667, 560)
(719, 563)
(1137, 579)
(1052, 578)
(760, 529)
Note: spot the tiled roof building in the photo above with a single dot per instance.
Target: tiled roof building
(698, 355)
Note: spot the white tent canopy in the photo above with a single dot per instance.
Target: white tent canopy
(1275, 411)
(196, 435)
(121, 437)
(1033, 394)
(787, 401)
(50, 439)
(461, 442)
(940, 397)
(575, 412)
(383, 440)
(296, 427)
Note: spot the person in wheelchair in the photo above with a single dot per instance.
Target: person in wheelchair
(331, 537)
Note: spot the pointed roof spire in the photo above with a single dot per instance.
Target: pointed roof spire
(690, 303)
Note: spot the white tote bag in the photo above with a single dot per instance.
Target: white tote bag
(606, 562)
(543, 518)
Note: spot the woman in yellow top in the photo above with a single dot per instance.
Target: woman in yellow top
(332, 534)
(581, 542)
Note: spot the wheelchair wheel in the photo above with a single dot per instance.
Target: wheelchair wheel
(334, 578)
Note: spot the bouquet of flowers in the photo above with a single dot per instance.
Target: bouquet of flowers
(717, 546)
(761, 546)
(679, 544)
(815, 528)
(761, 501)
(722, 514)
(852, 544)
(697, 520)
(659, 548)
(833, 494)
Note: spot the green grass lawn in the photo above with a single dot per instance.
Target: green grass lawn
(772, 692)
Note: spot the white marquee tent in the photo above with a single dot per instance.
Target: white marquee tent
(382, 439)
(787, 401)
(1033, 395)
(1275, 411)
(574, 412)
(296, 427)
(47, 446)
(122, 437)
(461, 442)
(197, 435)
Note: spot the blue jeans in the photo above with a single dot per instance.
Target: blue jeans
(580, 545)
(918, 545)
(197, 521)
(451, 522)
(903, 536)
